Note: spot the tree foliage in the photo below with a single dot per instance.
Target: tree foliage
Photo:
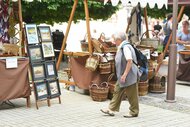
(55, 11)
(161, 13)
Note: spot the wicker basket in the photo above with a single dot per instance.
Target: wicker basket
(84, 46)
(143, 88)
(112, 66)
(187, 47)
(105, 68)
(110, 49)
(99, 92)
(98, 47)
(111, 85)
(157, 84)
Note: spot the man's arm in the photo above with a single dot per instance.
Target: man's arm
(127, 69)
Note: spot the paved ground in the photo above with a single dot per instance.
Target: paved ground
(79, 110)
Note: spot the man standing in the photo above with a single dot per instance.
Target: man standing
(157, 27)
(127, 74)
(167, 28)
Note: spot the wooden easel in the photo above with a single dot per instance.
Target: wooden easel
(66, 35)
(67, 32)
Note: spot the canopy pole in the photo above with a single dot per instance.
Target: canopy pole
(171, 82)
(21, 32)
(169, 40)
(66, 34)
(88, 26)
(146, 22)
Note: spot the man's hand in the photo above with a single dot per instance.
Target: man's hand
(123, 77)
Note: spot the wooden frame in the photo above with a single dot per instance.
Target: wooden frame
(54, 88)
(41, 90)
(35, 53)
(50, 67)
(31, 34)
(68, 28)
(48, 50)
(45, 33)
(38, 71)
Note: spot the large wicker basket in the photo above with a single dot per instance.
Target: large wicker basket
(157, 84)
(143, 88)
(99, 92)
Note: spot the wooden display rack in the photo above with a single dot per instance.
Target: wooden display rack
(22, 53)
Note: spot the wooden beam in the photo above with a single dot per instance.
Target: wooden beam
(67, 82)
(169, 40)
(88, 26)
(66, 34)
(21, 33)
(146, 22)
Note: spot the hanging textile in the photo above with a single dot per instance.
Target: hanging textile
(5, 11)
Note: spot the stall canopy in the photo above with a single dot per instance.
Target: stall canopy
(143, 3)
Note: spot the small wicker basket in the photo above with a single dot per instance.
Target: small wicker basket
(99, 92)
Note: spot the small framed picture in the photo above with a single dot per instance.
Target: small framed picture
(31, 34)
(45, 33)
(51, 71)
(54, 88)
(38, 71)
(35, 53)
(48, 50)
(41, 90)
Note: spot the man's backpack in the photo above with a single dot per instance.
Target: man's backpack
(142, 63)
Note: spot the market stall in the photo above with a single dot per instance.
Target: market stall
(14, 68)
(90, 43)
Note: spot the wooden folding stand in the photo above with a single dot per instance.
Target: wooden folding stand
(66, 35)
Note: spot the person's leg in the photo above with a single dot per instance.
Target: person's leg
(117, 98)
(132, 95)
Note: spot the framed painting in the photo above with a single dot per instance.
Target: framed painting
(51, 71)
(31, 34)
(35, 53)
(38, 71)
(41, 90)
(48, 50)
(54, 88)
(45, 33)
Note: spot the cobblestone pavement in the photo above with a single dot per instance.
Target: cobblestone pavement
(79, 110)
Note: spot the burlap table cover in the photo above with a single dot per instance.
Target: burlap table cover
(14, 83)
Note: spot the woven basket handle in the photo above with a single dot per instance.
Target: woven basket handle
(146, 32)
(94, 85)
(104, 84)
(110, 77)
